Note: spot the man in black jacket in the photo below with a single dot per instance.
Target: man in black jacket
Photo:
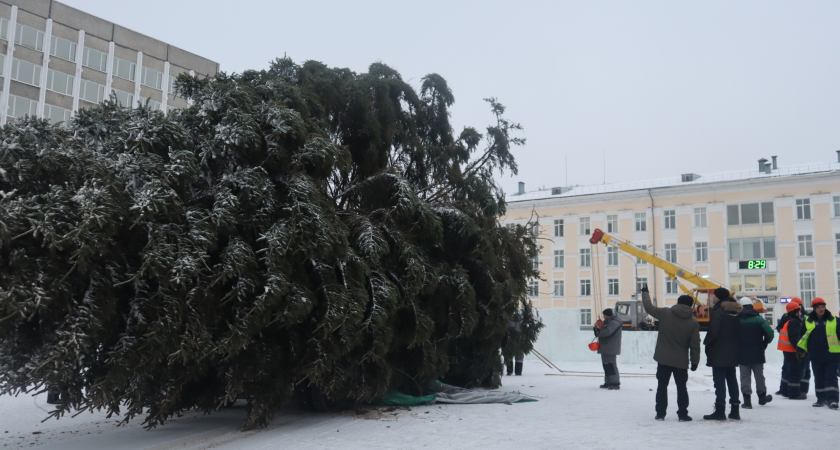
(722, 353)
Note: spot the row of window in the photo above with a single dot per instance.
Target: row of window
(21, 106)
(62, 48)
(807, 290)
(701, 254)
(743, 214)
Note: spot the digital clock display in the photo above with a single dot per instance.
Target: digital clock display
(753, 264)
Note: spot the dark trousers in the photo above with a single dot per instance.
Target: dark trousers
(825, 382)
(792, 386)
(784, 384)
(663, 376)
(724, 377)
(805, 381)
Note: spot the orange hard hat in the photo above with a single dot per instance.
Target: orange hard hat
(792, 307)
(796, 300)
(817, 301)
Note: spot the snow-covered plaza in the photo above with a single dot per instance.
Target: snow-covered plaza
(572, 413)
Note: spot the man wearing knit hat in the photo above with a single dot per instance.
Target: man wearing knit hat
(821, 342)
(722, 353)
(609, 338)
(756, 335)
(678, 343)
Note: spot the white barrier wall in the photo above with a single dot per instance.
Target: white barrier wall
(562, 340)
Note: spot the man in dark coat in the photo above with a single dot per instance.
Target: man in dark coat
(678, 343)
(609, 338)
(722, 353)
(756, 335)
(789, 337)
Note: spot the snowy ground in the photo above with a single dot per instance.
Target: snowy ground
(572, 413)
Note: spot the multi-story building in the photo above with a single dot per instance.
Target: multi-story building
(786, 220)
(56, 59)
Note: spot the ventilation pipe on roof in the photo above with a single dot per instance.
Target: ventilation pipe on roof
(761, 163)
(521, 188)
(838, 156)
(774, 163)
(768, 168)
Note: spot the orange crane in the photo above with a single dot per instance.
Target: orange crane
(703, 286)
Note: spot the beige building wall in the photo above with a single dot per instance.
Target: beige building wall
(793, 270)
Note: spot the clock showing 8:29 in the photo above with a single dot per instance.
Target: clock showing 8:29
(753, 264)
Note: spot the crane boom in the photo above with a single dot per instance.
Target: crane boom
(674, 271)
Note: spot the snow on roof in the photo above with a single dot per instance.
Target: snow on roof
(717, 177)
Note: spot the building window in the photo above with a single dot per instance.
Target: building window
(670, 219)
(536, 262)
(124, 69)
(29, 37)
(559, 259)
(807, 287)
(62, 48)
(558, 228)
(586, 316)
(671, 286)
(767, 215)
(612, 256)
(701, 251)
(770, 283)
(26, 72)
(95, 59)
(750, 214)
(732, 217)
(803, 209)
(640, 283)
(585, 257)
(4, 28)
(20, 106)
(753, 283)
(152, 78)
(126, 100)
(641, 221)
(753, 248)
(612, 286)
(154, 105)
(837, 244)
(60, 82)
(769, 247)
(559, 288)
(700, 218)
(92, 92)
(806, 246)
(172, 85)
(671, 253)
(57, 115)
(585, 288)
(584, 226)
(836, 204)
(643, 248)
(612, 223)
(534, 288)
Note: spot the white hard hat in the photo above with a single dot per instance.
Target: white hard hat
(744, 301)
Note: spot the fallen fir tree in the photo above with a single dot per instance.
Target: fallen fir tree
(302, 233)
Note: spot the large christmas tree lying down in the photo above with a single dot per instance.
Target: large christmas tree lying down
(302, 234)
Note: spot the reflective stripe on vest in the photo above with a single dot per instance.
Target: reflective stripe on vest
(784, 341)
(830, 333)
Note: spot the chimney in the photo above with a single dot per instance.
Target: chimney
(768, 168)
(761, 163)
(521, 188)
(838, 156)
(774, 163)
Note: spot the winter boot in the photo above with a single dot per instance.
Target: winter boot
(614, 387)
(833, 406)
(518, 370)
(659, 418)
(685, 418)
(799, 397)
(747, 401)
(719, 414)
(764, 399)
(818, 404)
(734, 414)
(604, 386)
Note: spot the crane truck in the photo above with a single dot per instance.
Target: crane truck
(631, 312)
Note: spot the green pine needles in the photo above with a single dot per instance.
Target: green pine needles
(301, 233)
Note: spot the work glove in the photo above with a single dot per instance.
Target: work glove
(800, 355)
(693, 367)
(595, 329)
(645, 289)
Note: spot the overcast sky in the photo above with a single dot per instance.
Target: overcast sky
(661, 87)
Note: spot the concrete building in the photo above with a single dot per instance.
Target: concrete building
(787, 218)
(56, 59)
